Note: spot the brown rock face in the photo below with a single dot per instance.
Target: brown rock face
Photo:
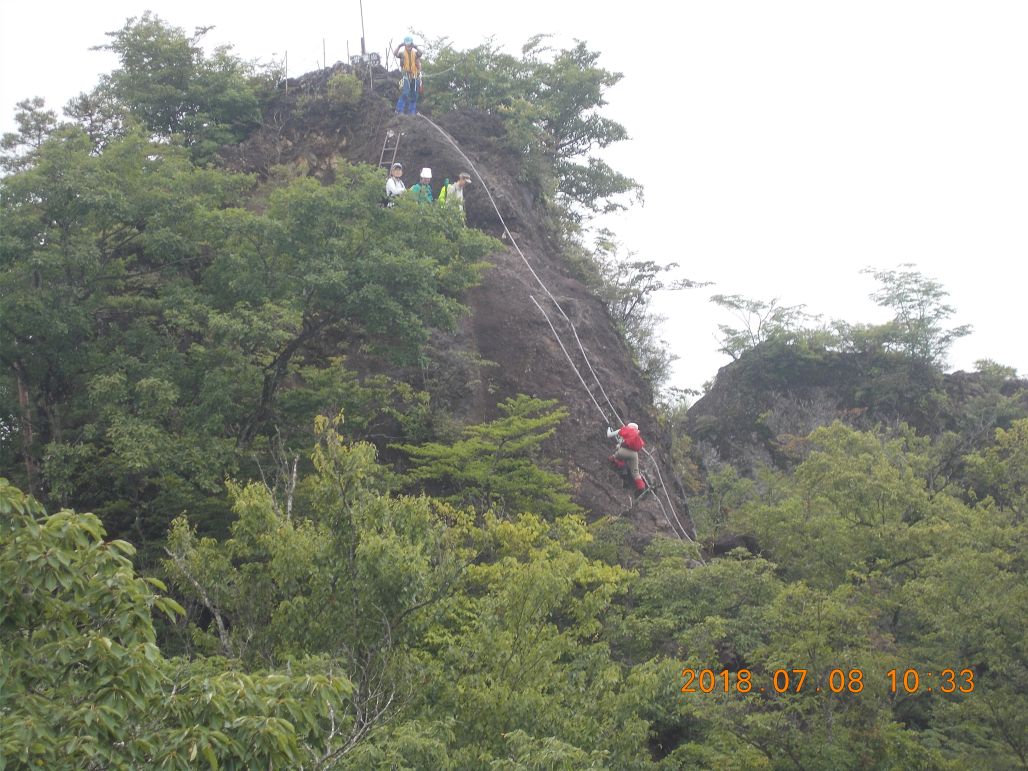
(505, 328)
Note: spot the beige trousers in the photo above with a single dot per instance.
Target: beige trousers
(631, 457)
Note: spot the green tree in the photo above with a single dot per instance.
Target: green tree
(350, 573)
(150, 322)
(1001, 470)
(859, 500)
(871, 550)
(497, 465)
(84, 685)
(918, 328)
(515, 674)
(762, 320)
(169, 83)
(35, 125)
(627, 285)
(467, 638)
(550, 103)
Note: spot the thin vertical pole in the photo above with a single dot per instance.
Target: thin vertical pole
(362, 28)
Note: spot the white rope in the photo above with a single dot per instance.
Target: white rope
(681, 529)
(656, 467)
(590, 366)
(666, 518)
(510, 235)
(572, 363)
(677, 531)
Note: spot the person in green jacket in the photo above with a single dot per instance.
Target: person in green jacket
(422, 191)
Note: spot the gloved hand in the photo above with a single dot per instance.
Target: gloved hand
(611, 433)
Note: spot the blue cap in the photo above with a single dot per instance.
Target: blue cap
(408, 40)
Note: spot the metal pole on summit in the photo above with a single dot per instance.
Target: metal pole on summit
(362, 27)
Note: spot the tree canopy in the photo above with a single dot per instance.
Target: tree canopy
(406, 586)
(150, 319)
(550, 103)
(168, 83)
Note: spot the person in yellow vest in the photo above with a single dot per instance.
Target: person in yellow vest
(410, 87)
(455, 192)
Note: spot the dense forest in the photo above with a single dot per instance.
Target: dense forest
(259, 508)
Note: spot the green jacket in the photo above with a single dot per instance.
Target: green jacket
(421, 193)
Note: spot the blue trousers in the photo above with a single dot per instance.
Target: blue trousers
(408, 101)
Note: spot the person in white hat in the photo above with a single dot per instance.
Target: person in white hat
(394, 185)
(422, 191)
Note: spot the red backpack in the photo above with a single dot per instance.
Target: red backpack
(631, 438)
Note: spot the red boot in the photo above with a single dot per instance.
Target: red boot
(618, 463)
(640, 487)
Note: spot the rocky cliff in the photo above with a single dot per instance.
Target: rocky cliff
(505, 346)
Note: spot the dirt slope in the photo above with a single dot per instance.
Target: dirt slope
(504, 328)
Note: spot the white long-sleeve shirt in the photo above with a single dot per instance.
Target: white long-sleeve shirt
(394, 186)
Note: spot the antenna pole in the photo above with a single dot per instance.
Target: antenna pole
(362, 27)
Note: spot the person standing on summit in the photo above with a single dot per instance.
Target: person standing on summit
(630, 443)
(410, 65)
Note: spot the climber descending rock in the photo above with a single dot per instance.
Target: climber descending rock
(626, 458)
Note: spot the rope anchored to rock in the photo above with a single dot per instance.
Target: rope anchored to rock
(680, 531)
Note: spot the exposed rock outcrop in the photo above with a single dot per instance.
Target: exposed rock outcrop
(305, 130)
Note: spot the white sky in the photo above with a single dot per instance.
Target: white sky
(783, 145)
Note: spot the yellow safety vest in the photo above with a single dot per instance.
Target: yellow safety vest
(409, 61)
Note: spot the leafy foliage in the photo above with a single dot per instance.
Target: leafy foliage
(917, 329)
(151, 322)
(84, 685)
(550, 102)
(167, 327)
(880, 569)
(467, 638)
(344, 89)
(35, 125)
(169, 84)
(495, 466)
(762, 320)
(626, 285)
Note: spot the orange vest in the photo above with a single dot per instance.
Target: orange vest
(409, 61)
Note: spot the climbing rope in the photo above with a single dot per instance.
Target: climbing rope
(681, 527)
(680, 530)
(428, 75)
(570, 361)
(524, 259)
(600, 410)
